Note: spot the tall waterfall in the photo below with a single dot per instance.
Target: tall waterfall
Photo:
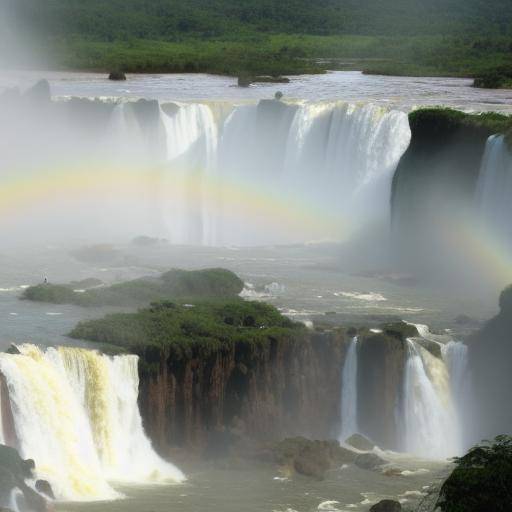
(276, 172)
(429, 419)
(349, 393)
(75, 413)
(494, 190)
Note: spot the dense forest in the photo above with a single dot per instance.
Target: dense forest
(457, 37)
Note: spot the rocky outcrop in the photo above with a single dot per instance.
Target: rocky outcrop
(435, 181)
(13, 473)
(263, 391)
(311, 458)
(490, 359)
(382, 359)
(360, 442)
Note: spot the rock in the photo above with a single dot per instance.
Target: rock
(311, 458)
(13, 349)
(117, 75)
(244, 81)
(44, 487)
(430, 346)
(360, 442)
(39, 93)
(386, 506)
(400, 330)
(278, 95)
(369, 461)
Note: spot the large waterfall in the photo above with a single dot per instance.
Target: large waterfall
(274, 172)
(204, 173)
(75, 412)
(349, 393)
(494, 191)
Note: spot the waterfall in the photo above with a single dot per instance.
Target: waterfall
(349, 393)
(429, 419)
(75, 413)
(277, 172)
(455, 355)
(494, 190)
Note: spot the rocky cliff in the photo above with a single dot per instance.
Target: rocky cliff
(265, 391)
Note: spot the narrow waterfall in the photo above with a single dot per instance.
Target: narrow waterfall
(349, 393)
(455, 355)
(429, 418)
(75, 413)
(494, 191)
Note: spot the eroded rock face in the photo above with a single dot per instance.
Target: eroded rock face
(269, 391)
(381, 366)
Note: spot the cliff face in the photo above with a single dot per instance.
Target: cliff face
(490, 358)
(435, 182)
(282, 388)
(380, 381)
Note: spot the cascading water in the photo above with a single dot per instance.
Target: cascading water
(349, 393)
(276, 172)
(429, 420)
(455, 355)
(494, 190)
(75, 413)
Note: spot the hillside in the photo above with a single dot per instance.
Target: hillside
(457, 37)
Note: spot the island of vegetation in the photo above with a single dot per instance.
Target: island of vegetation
(264, 37)
(175, 284)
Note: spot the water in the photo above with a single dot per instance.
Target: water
(494, 190)
(395, 92)
(75, 412)
(429, 419)
(349, 393)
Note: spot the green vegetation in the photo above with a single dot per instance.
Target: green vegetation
(267, 37)
(185, 329)
(499, 78)
(437, 121)
(174, 284)
(481, 479)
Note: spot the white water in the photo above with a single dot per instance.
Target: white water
(76, 414)
(349, 393)
(274, 172)
(430, 426)
(494, 191)
(455, 355)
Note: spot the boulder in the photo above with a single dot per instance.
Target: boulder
(369, 461)
(311, 458)
(386, 506)
(44, 487)
(360, 442)
(117, 75)
(244, 81)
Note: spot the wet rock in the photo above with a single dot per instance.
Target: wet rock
(386, 506)
(13, 349)
(117, 75)
(44, 487)
(39, 93)
(311, 458)
(430, 346)
(244, 81)
(360, 442)
(369, 461)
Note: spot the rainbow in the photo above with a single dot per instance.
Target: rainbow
(259, 206)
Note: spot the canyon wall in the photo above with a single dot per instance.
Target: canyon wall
(267, 391)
